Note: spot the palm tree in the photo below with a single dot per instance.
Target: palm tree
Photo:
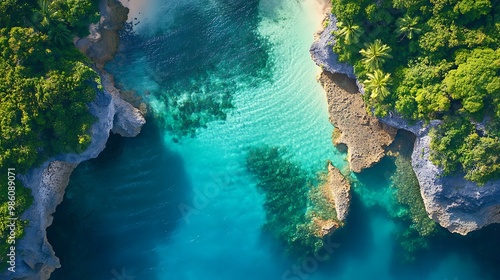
(377, 84)
(374, 55)
(349, 31)
(59, 34)
(42, 17)
(407, 27)
(45, 21)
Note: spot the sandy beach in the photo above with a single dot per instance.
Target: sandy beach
(138, 9)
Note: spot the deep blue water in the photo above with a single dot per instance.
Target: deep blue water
(177, 202)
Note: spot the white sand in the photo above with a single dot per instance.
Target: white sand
(138, 8)
(316, 10)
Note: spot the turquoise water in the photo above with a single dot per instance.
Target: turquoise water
(176, 202)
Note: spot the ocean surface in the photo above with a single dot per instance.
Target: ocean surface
(177, 202)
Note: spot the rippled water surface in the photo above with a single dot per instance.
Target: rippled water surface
(176, 202)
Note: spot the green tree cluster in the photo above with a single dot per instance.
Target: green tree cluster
(45, 88)
(431, 59)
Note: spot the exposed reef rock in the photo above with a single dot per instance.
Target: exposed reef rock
(324, 227)
(102, 43)
(336, 190)
(455, 203)
(340, 190)
(47, 183)
(35, 258)
(362, 133)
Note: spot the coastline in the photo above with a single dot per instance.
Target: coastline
(458, 205)
(35, 256)
(365, 137)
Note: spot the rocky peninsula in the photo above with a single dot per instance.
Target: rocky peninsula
(36, 259)
(354, 126)
(457, 204)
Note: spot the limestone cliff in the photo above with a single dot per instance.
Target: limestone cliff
(35, 258)
(455, 203)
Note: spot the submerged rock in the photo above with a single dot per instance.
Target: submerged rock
(365, 137)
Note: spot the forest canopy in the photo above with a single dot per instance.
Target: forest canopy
(45, 88)
(431, 59)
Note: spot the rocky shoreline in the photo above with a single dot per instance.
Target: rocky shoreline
(354, 126)
(456, 204)
(36, 259)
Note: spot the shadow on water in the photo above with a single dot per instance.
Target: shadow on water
(481, 248)
(117, 208)
(448, 256)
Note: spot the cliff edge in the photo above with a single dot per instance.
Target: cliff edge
(35, 259)
(458, 205)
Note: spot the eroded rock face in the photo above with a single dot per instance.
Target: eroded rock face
(102, 43)
(455, 203)
(322, 50)
(365, 137)
(35, 259)
(37, 254)
(325, 227)
(340, 190)
(337, 191)
(127, 120)
(459, 205)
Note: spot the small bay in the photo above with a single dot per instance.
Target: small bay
(177, 202)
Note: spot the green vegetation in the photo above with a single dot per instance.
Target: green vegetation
(291, 200)
(431, 59)
(45, 86)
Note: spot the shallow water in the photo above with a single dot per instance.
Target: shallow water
(153, 208)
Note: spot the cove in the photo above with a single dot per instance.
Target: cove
(221, 77)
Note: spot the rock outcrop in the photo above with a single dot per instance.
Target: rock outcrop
(337, 192)
(35, 258)
(127, 120)
(459, 205)
(456, 204)
(322, 52)
(365, 137)
(102, 43)
(340, 190)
